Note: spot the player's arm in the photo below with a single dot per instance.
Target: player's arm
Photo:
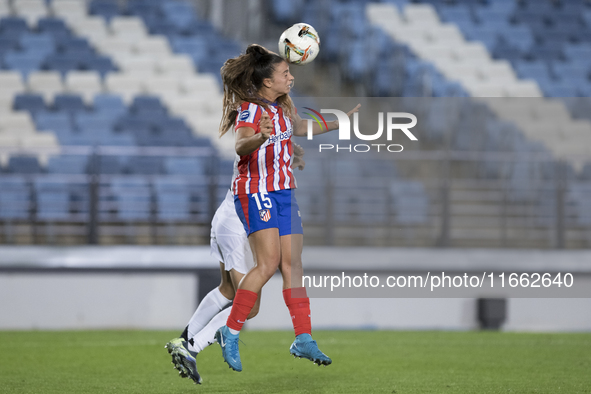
(298, 157)
(301, 125)
(248, 140)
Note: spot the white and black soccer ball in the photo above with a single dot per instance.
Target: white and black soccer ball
(299, 44)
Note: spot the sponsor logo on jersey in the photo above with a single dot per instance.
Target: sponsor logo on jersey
(265, 215)
(244, 115)
(281, 137)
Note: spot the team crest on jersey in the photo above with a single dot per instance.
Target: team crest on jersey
(265, 215)
(244, 115)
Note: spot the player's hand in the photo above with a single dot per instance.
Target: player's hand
(298, 151)
(266, 126)
(298, 161)
(354, 110)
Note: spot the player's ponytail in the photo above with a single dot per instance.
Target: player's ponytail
(242, 77)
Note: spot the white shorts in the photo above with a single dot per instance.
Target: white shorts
(229, 243)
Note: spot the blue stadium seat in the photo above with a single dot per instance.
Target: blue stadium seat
(108, 164)
(53, 199)
(102, 64)
(185, 166)
(13, 25)
(143, 105)
(37, 42)
(537, 70)
(67, 164)
(109, 104)
(97, 122)
(8, 44)
(573, 71)
(411, 203)
(78, 46)
(15, 199)
(58, 122)
(29, 102)
(24, 165)
(105, 8)
(53, 26)
(63, 63)
(133, 198)
(68, 103)
(181, 12)
(25, 62)
(145, 165)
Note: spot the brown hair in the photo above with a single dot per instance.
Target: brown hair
(242, 77)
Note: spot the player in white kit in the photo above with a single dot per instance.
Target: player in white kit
(230, 246)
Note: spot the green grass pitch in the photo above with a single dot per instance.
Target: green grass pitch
(363, 362)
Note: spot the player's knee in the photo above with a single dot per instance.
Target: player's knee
(227, 290)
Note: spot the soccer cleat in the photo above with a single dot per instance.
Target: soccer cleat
(304, 346)
(183, 359)
(229, 344)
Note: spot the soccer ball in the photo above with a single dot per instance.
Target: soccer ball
(299, 44)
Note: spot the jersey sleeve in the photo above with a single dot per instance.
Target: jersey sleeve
(249, 115)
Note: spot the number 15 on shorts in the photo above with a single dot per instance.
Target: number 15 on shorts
(266, 201)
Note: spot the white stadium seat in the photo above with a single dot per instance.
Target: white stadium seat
(154, 46)
(421, 14)
(163, 84)
(30, 10)
(70, 10)
(524, 88)
(86, 83)
(138, 65)
(201, 83)
(177, 65)
(4, 8)
(127, 86)
(11, 83)
(17, 122)
(113, 45)
(129, 26)
(91, 26)
(47, 83)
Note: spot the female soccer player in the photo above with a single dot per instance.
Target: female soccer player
(230, 247)
(257, 104)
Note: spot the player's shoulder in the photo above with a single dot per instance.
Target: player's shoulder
(248, 112)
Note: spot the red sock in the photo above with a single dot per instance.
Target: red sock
(243, 303)
(299, 309)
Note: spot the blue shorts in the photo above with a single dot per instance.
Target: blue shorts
(278, 209)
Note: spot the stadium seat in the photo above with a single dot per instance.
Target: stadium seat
(25, 62)
(184, 166)
(31, 10)
(54, 27)
(105, 8)
(109, 104)
(53, 198)
(85, 83)
(58, 122)
(11, 82)
(124, 85)
(15, 199)
(13, 26)
(68, 103)
(132, 28)
(69, 10)
(23, 165)
(29, 102)
(17, 122)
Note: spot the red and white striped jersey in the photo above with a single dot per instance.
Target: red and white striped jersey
(269, 167)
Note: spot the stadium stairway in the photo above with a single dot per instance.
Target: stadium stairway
(541, 119)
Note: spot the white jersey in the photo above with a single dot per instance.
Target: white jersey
(229, 243)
